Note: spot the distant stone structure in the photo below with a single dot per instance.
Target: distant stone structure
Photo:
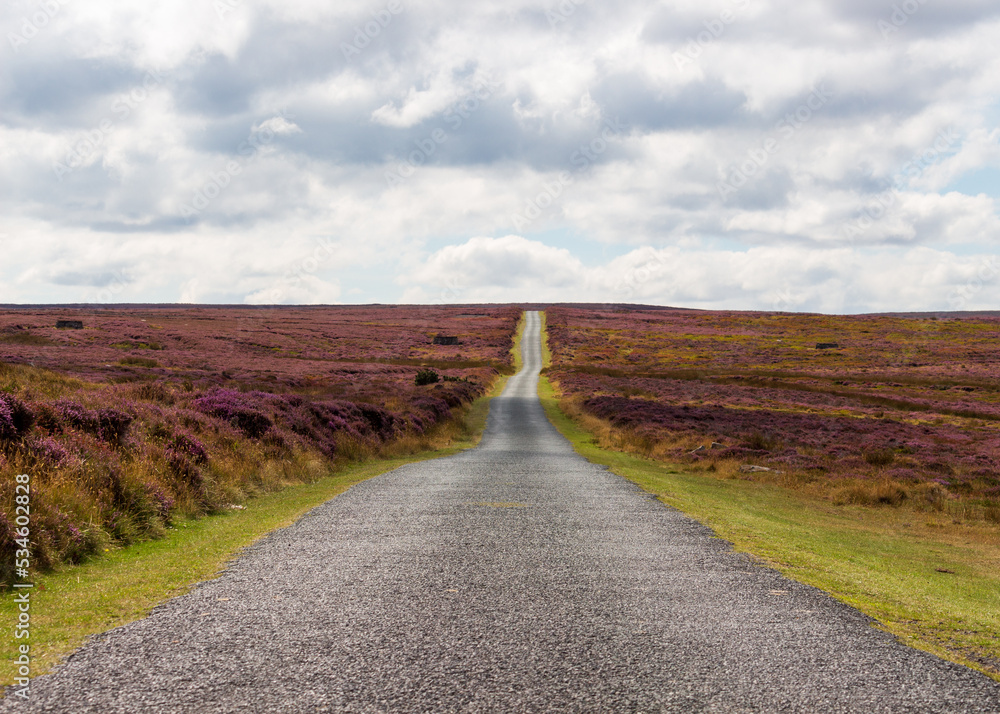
(445, 340)
(69, 324)
(827, 346)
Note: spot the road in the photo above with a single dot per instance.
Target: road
(513, 577)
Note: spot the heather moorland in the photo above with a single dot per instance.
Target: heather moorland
(136, 416)
(869, 409)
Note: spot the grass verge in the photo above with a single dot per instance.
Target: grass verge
(546, 352)
(515, 349)
(938, 592)
(73, 603)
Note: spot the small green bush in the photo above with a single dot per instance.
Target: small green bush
(426, 376)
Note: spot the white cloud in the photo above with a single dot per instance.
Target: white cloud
(507, 265)
(770, 278)
(278, 125)
(307, 290)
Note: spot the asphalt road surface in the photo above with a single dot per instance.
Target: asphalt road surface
(513, 577)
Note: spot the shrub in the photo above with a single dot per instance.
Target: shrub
(437, 409)
(185, 469)
(16, 419)
(456, 394)
(274, 441)
(63, 539)
(879, 457)
(49, 419)
(426, 376)
(760, 442)
(237, 409)
(161, 501)
(107, 424)
(78, 416)
(380, 421)
(866, 493)
(190, 447)
(50, 452)
(153, 392)
(358, 420)
(113, 425)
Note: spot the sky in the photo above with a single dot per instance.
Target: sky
(800, 155)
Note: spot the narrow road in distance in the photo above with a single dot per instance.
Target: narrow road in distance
(514, 577)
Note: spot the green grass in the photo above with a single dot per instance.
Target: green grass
(885, 562)
(515, 349)
(546, 352)
(76, 602)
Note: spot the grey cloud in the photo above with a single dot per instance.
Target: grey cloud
(764, 192)
(277, 50)
(97, 277)
(917, 17)
(691, 202)
(166, 224)
(218, 86)
(638, 101)
(896, 91)
(481, 133)
(675, 27)
(63, 92)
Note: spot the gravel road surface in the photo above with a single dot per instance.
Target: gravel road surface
(516, 577)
